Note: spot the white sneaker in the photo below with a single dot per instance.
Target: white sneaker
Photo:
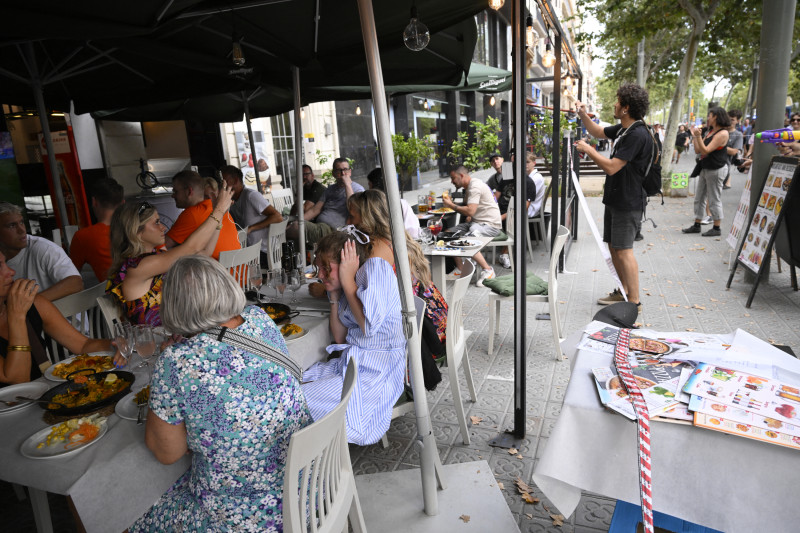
(706, 220)
(505, 260)
(454, 275)
(485, 274)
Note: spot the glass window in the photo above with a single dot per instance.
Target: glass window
(481, 54)
(283, 143)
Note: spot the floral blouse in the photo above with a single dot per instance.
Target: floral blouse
(144, 310)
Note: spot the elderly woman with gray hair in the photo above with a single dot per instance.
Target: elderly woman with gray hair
(228, 393)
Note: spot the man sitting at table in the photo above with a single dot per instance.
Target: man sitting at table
(330, 212)
(481, 213)
(36, 258)
(188, 190)
(93, 244)
(251, 211)
(312, 190)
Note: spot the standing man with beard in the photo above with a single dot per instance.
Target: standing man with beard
(623, 196)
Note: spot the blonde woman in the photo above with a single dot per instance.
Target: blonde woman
(139, 261)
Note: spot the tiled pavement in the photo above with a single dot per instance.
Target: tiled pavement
(677, 272)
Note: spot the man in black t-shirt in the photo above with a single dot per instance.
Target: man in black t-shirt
(623, 195)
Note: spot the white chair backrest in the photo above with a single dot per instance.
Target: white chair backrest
(276, 236)
(282, 198)
(241, 233)
(242, 262)
(69, 232)
(81, 310)
(111, 310)
(456, 340)
(510, 214)
(552, 278)
(318, 483)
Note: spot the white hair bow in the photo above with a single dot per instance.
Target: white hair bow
(357, 234)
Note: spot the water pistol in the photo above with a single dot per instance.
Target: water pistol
(778, 136)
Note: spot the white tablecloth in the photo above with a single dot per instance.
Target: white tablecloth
(713, 479)
(438, 261)
(116, 480)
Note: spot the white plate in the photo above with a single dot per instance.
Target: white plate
(472, 244)
(49, 372)
(126, 408)
(29, 447)
(295, 336)
(33, 389)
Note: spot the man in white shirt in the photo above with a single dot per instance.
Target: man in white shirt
(480, 211)
(35, 257)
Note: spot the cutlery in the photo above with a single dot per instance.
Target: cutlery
(19, 399)
(141, 404)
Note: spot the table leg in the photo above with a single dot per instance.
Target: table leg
(438, 274)
(41, 510)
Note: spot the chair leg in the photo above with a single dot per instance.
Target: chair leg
(355, 514)
(530, 243)
(439, 471)
(555, 324)
(468, 374)
(459, 403)
(492, 322)
(385, 441)
(543, 232)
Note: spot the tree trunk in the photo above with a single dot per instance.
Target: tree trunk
(728, 98)
(700, 20)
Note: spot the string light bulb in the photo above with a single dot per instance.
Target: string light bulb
(416, 35)
(302, 112)
(531, 37)
(238, 55)
(567, 93)
(548, 59)
(496, 4)
(568, 79)
(492, 101)
(358, 109)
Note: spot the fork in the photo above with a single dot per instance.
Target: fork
(140, 404)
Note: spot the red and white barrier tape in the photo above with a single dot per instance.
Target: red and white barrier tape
(623, 365)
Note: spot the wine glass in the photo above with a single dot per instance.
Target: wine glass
(160, 336)
(295, 279)
(254, 277)
(123, 340)
(435, 225)
(277, 281)
(145, 343)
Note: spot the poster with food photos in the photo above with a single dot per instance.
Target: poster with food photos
(742, 210)
(765, 219)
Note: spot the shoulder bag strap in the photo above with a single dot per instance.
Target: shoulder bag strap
(254, 346)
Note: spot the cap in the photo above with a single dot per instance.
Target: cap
(491, 157)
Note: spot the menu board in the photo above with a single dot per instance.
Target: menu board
(765, 218)
(742, 210)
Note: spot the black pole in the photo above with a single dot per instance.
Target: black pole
(556, 141)
(575, 210)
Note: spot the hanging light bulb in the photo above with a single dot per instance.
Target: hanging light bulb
(568, 79)
(496, 4)
(302, 112)
(548, 59)
(416, 35)
(531, 37)
(358, 109)
(425, 104)
(492, 101)
(575, 88)
(238, 55)
(567, 93)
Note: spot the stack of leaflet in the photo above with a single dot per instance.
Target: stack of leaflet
(745, 404)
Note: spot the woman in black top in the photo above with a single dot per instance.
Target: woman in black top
(23, 318)
(713, 168)
(681, 143)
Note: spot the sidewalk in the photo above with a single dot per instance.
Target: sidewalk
(683, 287)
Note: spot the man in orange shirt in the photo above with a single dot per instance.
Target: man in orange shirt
(93, 244)
(187, 190)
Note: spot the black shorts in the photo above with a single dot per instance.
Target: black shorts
(620, 227)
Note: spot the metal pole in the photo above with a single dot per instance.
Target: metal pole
(576, 211)
(773, 82)
(640, 63)
(298, 156)
(44, 120)
(425, 440)
(521, 218)
(556, 143)
(246, 103)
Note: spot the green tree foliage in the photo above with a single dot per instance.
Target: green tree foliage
(474, 154)
(410, 153)
(541, 132)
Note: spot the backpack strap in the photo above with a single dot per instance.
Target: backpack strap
(256, 347)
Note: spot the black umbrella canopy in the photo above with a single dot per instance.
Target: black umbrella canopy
(115, 55)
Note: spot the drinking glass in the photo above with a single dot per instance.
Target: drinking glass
(255, 279)
(425, 236)
(435, 225)
(295, 279)
(123, 340)
(278, 282)
(160, 336)
(145, 343)
(422, 204)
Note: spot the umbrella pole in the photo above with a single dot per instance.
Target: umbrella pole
(38, 94)
(246, 103)
(428, 452)
(298, 157)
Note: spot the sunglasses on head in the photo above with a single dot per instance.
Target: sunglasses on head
(144, 206)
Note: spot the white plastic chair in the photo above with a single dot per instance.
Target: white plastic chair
(276, 236)
(281, 199)
(551, 298)
(509, 231)
(81, 310)
(242, 262)
(241, 233)
(538, 220)
(319, 488)
(456, 344)
(111, 311)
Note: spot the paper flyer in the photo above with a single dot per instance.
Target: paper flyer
(744, 430)
(734, 414)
